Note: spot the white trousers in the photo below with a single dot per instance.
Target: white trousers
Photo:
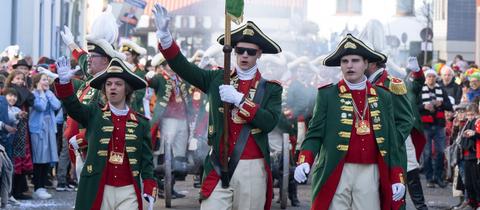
(175, 132)
(358, 188)
(247, 190)
(412, 162)
(119, 198)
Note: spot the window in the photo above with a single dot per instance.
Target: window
(405, 7)
(349, 7)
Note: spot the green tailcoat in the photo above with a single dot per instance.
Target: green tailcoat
(208, 81)
(328, 140)
(97, 121)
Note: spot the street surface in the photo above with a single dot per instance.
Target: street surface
(436, 198)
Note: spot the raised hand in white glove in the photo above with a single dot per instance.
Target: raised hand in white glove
(161, 22)
(412, 64)
(73, 142)
(67, 36)
(65, 73)
(150, 199)
(301, 172)
(229, 94)
(47, 72)
(149, 75)
(398, 191)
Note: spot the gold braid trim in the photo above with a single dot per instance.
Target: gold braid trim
(397, 86)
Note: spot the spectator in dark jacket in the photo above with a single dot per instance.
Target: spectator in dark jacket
(432, 106)
(454, 91)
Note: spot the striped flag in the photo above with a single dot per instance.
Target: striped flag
(235, 10)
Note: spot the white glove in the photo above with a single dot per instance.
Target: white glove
(301, 172)
(161, 22)
(73, 142)
(193, 144)
(67, 36)
(151, 201)
(149, 75)
(230, 95)
(47, 72)
(398, 190)
(65, 73)
(412, 64)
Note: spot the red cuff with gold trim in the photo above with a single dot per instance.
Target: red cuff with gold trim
(306, 156)
(150, 187)
(64, 90)
(248, 109)
(418, 74)
(76, 53)
(397, 175)
(171, 52)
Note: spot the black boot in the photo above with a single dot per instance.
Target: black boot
(415, 190)
(175, 194)
(292, 190)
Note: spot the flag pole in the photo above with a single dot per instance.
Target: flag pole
(227, 50)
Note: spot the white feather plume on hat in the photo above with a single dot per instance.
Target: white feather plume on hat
(104, 33)
(104, 27)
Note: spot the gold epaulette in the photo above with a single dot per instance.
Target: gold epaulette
(397, 86)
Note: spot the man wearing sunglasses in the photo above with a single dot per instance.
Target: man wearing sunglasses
(95, 60)
(255, 108)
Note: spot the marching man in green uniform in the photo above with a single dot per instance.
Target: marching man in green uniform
(352, 132)
(119, 164)
(256, 105)
(96, 59)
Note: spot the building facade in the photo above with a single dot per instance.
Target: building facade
(454, 29)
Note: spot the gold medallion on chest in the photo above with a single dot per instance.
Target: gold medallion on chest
(116, 158)
(363, 127)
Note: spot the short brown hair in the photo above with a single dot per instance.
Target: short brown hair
(10, 91)
(128, 92)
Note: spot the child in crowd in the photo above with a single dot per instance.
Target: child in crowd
(22, 159)
(13, 115)
(471, 154)
(43, 129)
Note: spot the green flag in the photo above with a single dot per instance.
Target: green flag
(235, 10)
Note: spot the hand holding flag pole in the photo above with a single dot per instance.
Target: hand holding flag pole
(233, 11)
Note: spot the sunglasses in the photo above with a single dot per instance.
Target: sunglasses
(241, 50)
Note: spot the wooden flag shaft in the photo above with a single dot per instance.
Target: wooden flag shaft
(227, 50)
